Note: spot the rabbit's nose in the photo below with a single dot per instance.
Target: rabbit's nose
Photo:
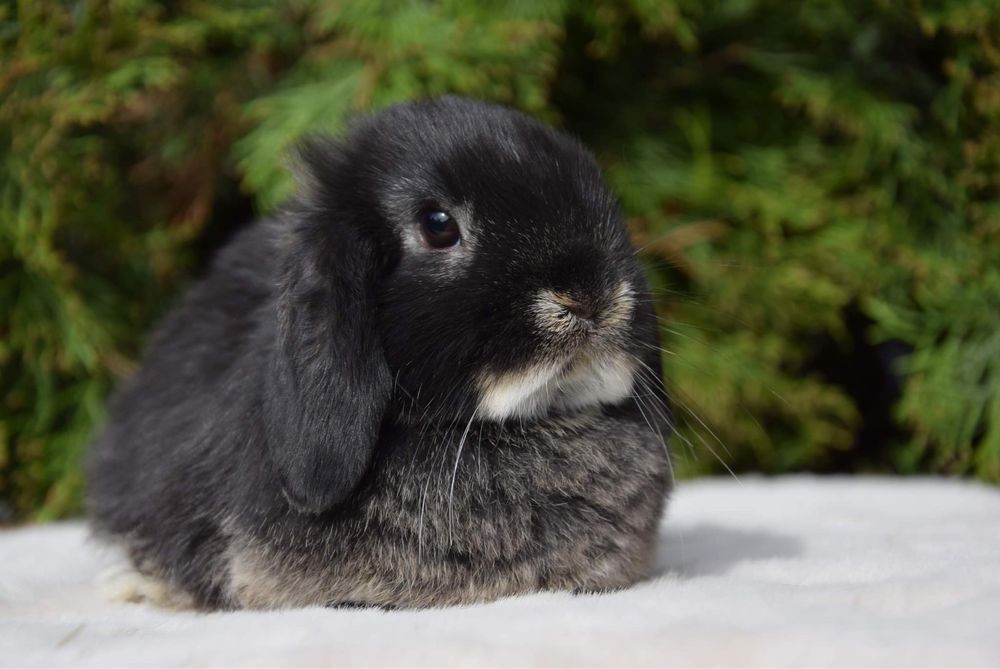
(581, 309)
(563, 313)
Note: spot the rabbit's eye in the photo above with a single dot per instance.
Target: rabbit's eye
(439, 229)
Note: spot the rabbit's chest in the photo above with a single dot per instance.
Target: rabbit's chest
(457, 521)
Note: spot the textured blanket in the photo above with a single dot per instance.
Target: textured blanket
(793, 571)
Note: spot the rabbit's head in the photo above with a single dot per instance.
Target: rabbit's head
(468, 261)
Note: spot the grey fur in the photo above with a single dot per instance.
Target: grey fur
(571, 506)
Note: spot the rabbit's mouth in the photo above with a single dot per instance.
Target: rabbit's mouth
(593, 369)
(583, 381)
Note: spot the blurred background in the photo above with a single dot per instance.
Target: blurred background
(815, 187)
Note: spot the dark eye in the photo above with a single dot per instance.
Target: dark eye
(439, 229)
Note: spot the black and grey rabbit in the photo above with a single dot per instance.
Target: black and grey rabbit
(433, 379)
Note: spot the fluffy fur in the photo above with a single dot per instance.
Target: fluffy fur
(340, 414)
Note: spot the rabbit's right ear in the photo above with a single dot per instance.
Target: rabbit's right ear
(328, 383)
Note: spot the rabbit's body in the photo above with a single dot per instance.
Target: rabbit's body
(224, 470)
(569, 508)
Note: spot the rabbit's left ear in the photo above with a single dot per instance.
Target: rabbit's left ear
(328, 383)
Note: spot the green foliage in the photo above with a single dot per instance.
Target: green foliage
(810, 184)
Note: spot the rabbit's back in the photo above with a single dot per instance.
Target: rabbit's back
(159, 473)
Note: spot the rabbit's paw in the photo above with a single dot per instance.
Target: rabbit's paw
(125, 584)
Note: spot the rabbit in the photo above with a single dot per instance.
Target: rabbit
(433, 378)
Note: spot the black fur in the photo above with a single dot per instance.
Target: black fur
(279, 423)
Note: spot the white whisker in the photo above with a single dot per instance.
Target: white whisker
(454, 475)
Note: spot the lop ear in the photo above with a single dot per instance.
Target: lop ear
(329, 384)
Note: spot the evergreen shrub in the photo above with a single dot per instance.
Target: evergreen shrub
(815, 187)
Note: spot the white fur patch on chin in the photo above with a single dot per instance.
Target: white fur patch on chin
(603, 380)
(606, 379)
(522, 394)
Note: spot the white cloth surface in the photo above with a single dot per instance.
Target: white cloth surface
(786, 571)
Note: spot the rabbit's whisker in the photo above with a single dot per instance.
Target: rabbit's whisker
(666, 450)
(454, 475)
(647, 370)
(674, 397)
(661, 349)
